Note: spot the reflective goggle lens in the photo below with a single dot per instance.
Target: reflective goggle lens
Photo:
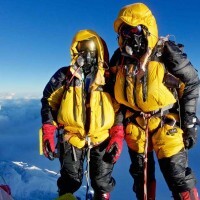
(86, 45)
(128, 31)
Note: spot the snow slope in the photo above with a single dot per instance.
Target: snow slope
(28, 182)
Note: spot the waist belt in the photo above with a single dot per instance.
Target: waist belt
(162, 111)
(155, 113)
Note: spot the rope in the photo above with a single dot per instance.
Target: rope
(145, 157)
(87, 171)
(68, 83)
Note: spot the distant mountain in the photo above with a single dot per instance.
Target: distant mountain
(28, 182)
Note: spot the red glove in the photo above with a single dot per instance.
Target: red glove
(48, 140)
(115, 145)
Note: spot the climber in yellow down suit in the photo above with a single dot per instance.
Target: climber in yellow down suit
(156, 90)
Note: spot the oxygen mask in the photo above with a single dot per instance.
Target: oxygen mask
(87, 56)
(134, 41)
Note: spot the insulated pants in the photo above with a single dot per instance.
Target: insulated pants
(167, 142)
(72, 170)
(177, 174)
(137, 172)
(179, 177)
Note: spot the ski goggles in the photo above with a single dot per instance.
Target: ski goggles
(129, 31)
(86, 45)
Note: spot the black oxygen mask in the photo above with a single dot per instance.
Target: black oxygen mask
(134, 41)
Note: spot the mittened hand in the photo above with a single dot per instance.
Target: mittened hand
(113, 153)
(114, 148)
(48, 140)
(190, 137)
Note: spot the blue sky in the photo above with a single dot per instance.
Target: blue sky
(35, 35)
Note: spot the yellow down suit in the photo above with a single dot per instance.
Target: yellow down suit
(65, 105)
(164, 90)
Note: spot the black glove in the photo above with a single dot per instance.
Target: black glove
(190, 137)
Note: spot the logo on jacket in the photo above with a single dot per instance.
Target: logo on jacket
(172, 131)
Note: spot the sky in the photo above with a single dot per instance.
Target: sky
(35, 35)
(19, 124)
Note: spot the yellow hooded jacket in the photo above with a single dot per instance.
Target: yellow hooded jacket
(67, 107)
(129, 90)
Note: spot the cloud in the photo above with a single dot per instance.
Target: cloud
(7, 95)
(19, 125)
(18, 111)
(12, 95)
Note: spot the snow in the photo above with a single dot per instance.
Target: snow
(28, 182)
(32, 176)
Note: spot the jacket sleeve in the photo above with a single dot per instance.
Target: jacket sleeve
(119, 109)
(52, 96)
(178, 64)
(113, 65)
